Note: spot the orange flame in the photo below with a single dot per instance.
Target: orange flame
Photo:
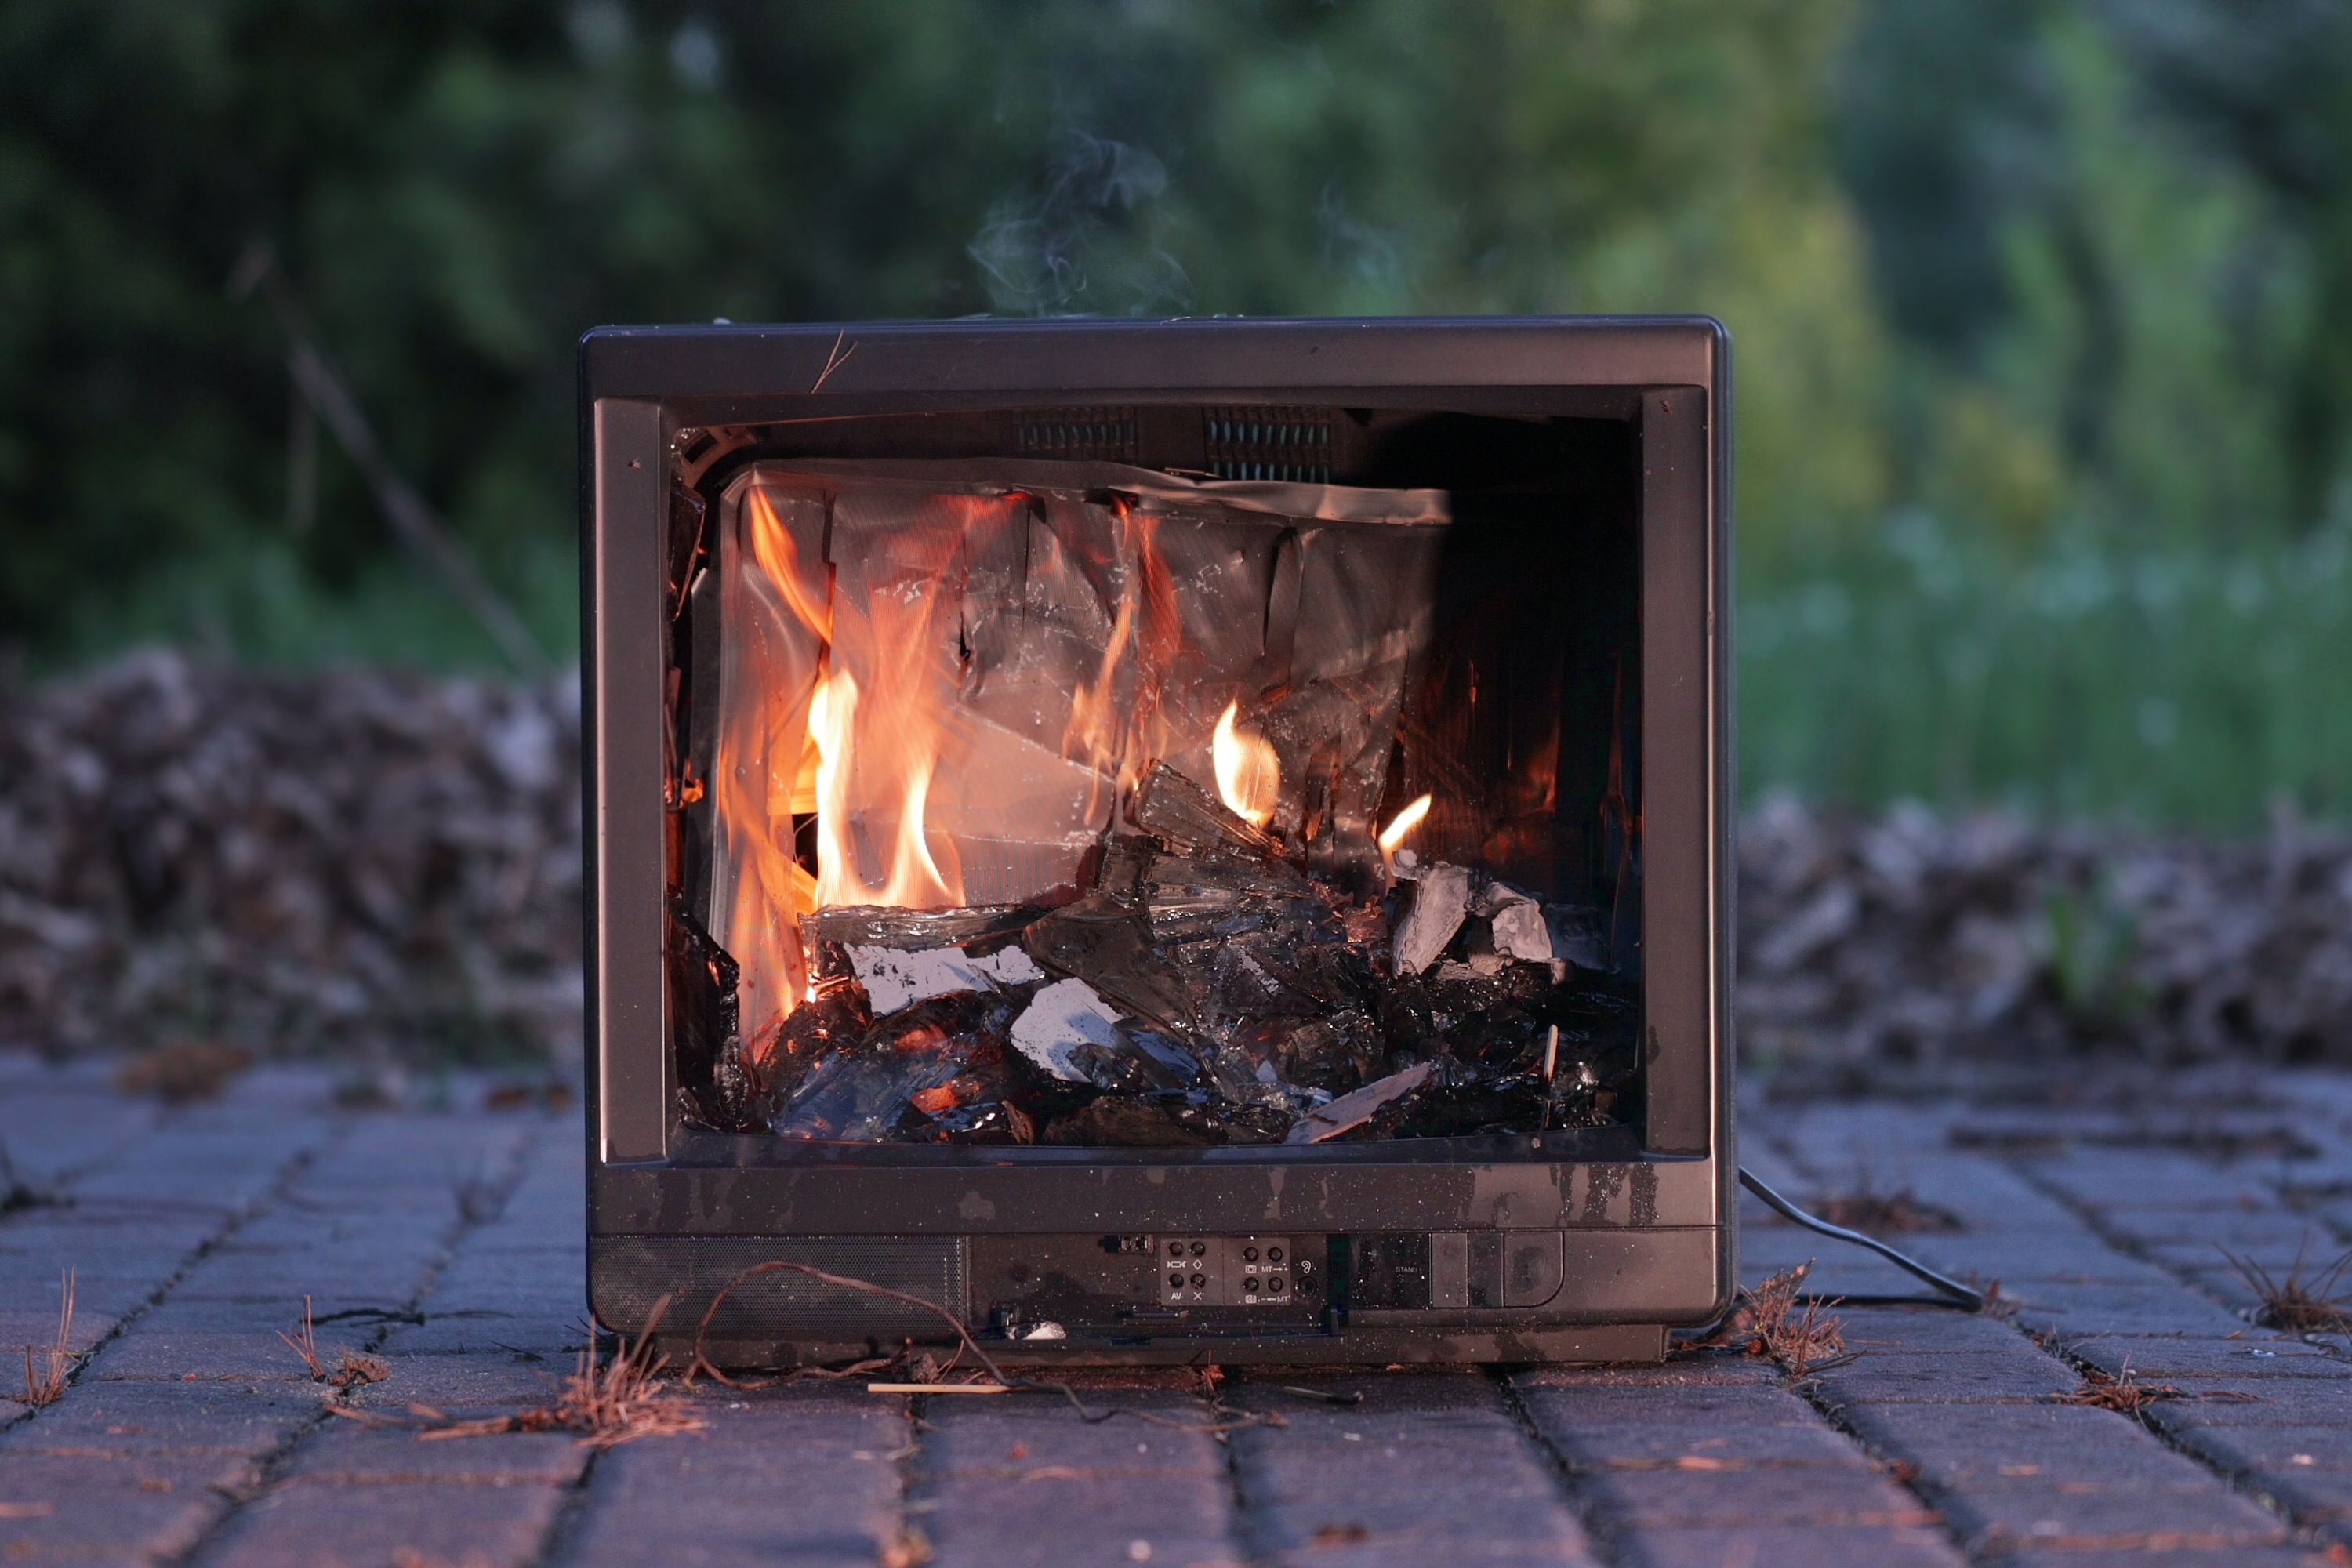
(1249, 776)
(779, 619)
(1403, 823)
(1110, 729)
(913, 880)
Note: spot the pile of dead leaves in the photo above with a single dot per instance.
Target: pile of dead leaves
(370, 861)
(1908, 938)
(359, 860)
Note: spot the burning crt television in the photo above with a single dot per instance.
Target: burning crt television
(1198, 840)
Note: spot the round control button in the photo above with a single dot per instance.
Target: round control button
(1198, 1248)
(1175, 1282)
(1199, 1280)
(1274, 1286)
(1249, 1255)
(1249, 1287)
(1175, 1249)
(1274, 1255)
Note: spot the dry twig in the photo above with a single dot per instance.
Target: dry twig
(2122, 1391)
(834, 360)
(352, 1369)
(355, 1369)
(47, 1367)
(607, 1402)
(1797, 1331)
(1226, 1419)
(305, 1344)
(2297, 1305)
(417, 524)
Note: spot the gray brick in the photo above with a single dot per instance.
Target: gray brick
(483, 1330)
(1959, 1446)
(1438, 1472)
(1856, 1495)
(345, 1452)
(303, 1523)
(1010, 1445)
(2038, 1255)
(1756, 1405)
(2169, 1556)
(123, 1509)
(1745, 1425)
(2077, 1311)
(1882, 1331)
(2207, 1231)
(798, 1475)
(2258, 1355)
(465, 1385)
(2147, 1178)
(98, 1419)
(1699, 1445)
(1837, 1270)
(1791, 1546)
(2039, 1510)
(1707, 1459)
(383, 1274)
(2240, 1450)
(2313, 1495)
(2280, 1256)
(1975, 1377)
(205, 1340)
(1086, 1519)
(2273, 1402)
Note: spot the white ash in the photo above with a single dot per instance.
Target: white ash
(1008, 967)
(1441, 898)
(1516, 923)
(895, 978)
(1062, 1019)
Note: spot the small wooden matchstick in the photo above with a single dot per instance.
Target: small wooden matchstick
(937, 1388)
(1552, 1052)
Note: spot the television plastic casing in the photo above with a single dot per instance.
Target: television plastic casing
(1563, 1246)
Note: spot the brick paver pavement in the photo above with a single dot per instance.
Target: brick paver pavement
(445, 1241)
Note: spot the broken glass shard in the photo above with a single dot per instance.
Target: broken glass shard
(1101, 940)
(1350, 1112)
(1439, 899)
(1185, 817)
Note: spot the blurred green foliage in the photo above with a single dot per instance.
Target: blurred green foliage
(2058, 287)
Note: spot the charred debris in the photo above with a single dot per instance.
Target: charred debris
(1201, 987)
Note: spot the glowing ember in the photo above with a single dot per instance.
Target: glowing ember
(1249, 778)
(1406, 821)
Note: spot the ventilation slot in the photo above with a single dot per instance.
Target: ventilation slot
(1287, 444)
(1081, 435)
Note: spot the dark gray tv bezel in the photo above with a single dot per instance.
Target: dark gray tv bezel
(1669, 377)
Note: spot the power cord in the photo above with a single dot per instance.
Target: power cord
(1951, 1292)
